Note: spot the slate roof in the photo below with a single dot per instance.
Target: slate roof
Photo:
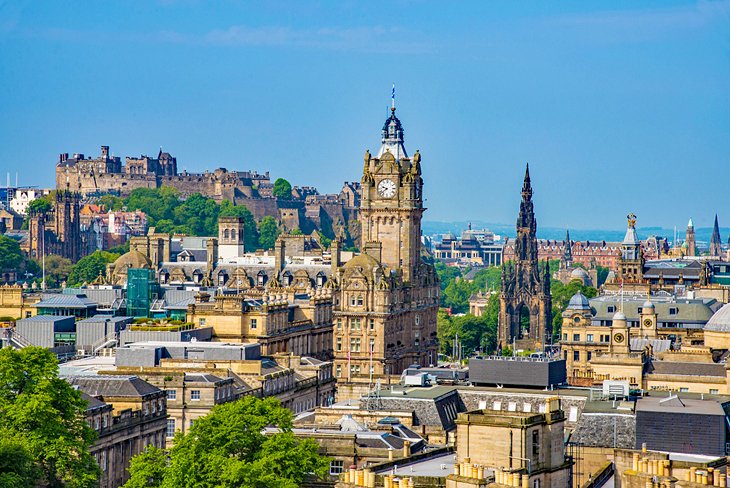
(685, 369)
(658, 345)
(65, 301)
(114, 386)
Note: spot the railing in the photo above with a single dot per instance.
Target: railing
(104, 342)
(13, 338)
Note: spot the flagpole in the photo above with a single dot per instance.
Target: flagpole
(349, 367)
(372, 346)
(392, 98)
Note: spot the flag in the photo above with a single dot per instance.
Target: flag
(392, 97)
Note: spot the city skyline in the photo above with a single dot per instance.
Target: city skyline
(632, 98)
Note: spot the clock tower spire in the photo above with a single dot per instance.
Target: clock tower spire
(391, 202)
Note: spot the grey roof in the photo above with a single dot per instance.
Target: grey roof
(658, 345)
(114, 386)
(202, 378)
(103, 318)
(692, 311)
(720, 321)
(686, 369)
(46, 318)
(685, 405)
(94, 403)
(578, 302)
(65, 301)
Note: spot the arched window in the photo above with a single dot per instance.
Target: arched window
(226, 234)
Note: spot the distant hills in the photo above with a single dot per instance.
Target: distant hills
(702, 234)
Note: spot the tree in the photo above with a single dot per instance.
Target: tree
(282, 189)
(40, 205)
(475, 333)
(561, 295)
(10, 255)
(228, 448)
(57, 270)
(42, 418)
(87, 269)
(268, 232)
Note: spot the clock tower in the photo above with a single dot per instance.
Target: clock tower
(391, 202)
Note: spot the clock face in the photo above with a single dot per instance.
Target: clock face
(647, 323)
(386, 188)
(618, 338)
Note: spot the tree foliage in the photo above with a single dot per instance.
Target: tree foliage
(87, 269)
(268, 232)
(561, 295)
(57, 269)
(40, 205)
(44, 437)
(475, 333)
(282, 189)
(227, 448)
(10, 255)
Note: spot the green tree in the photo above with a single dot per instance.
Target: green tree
(475, 333)
(11, 256)
(268, 232)
(282, 189)
(57, 270)
(227, 448)
(87, 269)
(17, 466)
(43, 416)
(40, 205)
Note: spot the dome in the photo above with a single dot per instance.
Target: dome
(580, 274)
(720, 322)
(619, 316)
(364, 261)
(132, 259)
(648, 304)
(579, 302)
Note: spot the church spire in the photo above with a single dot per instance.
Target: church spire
(568, 250)
(715, 240)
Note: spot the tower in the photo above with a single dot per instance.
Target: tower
(619, 335)
(379, 332)
(648, 320)
(715, 241)
(68, 224)
(631, 263)
(230, 237)
(391, 204)
(690, 239)
(566, 260)
(525, 305)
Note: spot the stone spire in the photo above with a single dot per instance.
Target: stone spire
(715, 240)
(568, 251)
(526, 242)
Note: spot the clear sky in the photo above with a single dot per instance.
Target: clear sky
(618, 106)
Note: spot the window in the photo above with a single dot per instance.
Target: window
(339, 324)
(355, 344)
(339, 343)
(527, 407)
(104, 421)
(714, 391)
(195, 395)
(337, 467)
(589, 337)
(576, 355)
(172, 394)
(355, 369)
(684, 390)
(372, 324)
(535, 444)
(201, 322)
(359, 300)
(338, 371)
(254, 323)
(573, 415)
(673, 310)
(576, 337)
(170, 428)
(102, 463)
(590, 354)
(611, 309)
(355, 325)
(372, 346)
(497, 406)
(565, 337)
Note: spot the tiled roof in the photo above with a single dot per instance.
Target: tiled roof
(114, 386)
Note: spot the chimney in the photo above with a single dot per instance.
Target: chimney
(279, 256)
(212, 246)
(335, 252)
(374, 249)
(105, 152)
(406, 449)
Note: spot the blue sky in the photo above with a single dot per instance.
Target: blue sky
(618, 106)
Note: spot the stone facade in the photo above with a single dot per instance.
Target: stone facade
(387, 297)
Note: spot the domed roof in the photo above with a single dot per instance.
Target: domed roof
(619, 316)
(720, 322)
(579, 302)
(579, 273)
(647, 304)
(364, 261)
(132, 259)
